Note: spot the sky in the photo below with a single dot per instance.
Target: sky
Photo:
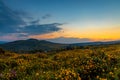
(60, 20)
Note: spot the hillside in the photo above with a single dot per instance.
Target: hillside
(94, 63)
(2, 42)
(31, 45)
(34, 45)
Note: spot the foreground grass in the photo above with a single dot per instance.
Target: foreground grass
(92, 63)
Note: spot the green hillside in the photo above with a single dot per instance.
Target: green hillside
(31, 45)
(91, 63)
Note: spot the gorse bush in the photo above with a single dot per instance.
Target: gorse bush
(91, 63)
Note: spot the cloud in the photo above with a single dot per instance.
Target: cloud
(13, 22)
(8, 19)
(35, 22)
(40, 29)
(23, 14)
(68, 40)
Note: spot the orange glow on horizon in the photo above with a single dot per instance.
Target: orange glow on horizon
(94, 34)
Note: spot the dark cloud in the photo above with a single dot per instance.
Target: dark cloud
(8, 19)
(40, 29)
(11, 22)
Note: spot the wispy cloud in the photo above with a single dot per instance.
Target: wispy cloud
(46, 16)
(68, 40)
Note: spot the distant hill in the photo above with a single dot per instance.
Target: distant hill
(31, 45)
(69, 40)
(2, 42)
(95, 43)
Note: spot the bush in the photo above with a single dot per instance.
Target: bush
(2, 51)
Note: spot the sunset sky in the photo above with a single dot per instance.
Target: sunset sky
(81, 20)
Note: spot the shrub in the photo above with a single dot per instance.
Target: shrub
(2, 51)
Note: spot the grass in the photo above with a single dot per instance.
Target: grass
(92, 63)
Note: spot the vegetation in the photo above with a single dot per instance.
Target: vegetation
(88, 63)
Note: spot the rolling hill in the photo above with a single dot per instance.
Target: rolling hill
(2, 42)
(31, 45)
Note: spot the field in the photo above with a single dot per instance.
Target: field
(88, 63)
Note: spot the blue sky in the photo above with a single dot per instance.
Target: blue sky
(91, 19)
(67, 10)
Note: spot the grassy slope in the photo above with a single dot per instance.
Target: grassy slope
(96, 63)
(21, 46)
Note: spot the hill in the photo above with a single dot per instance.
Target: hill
(31, 45)
(2, 42)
